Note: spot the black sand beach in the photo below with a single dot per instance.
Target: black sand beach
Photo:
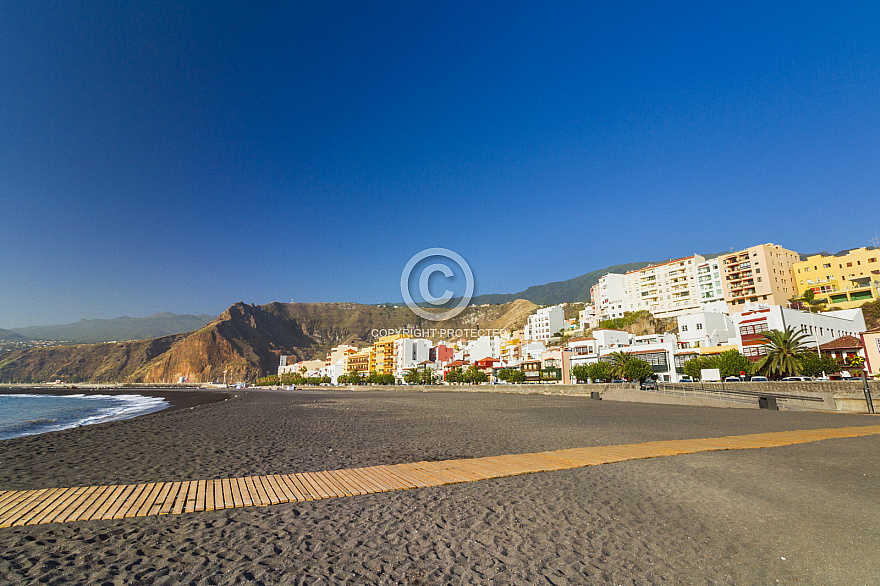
(805, 514)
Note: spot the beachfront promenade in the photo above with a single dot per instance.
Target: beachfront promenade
(59, 505)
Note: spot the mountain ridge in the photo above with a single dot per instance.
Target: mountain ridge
(243, 343)
(120, 328)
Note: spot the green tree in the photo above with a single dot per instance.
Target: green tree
(599, 371)
(352, 378)
(729, 363)
(783, 352)
(637, 369)
(474, 376)
(580, 372)
(732, 363)
(693, 367)
(814, 365)
(454, 375)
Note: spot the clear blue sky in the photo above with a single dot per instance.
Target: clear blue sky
(187, 156)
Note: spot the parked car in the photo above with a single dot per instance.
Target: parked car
(797, 379)
(648, 384)
(733, 379)
(758, 379)
(686, 379)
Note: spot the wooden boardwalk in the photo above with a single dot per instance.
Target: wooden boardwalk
(88, 503)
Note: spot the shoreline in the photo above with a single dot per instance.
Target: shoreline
(177, 399)
(722, 517)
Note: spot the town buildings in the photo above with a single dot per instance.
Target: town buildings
(845, 280)
(667, 289)
(544, 323)
(760, 274)
(720, 304)
(820, 328)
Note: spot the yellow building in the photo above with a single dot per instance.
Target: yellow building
(760, 274)
(383, 349)
(363, 361)
(844, 281)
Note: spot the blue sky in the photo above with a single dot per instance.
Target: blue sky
(186, 156)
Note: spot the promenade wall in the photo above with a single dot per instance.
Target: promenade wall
(834, 395)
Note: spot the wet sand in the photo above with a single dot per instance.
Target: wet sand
(711, 518)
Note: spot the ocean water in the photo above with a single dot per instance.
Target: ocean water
(27, 414)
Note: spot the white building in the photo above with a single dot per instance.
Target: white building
(532, 350)
(610, 296)
(588, 317)
(485, 347)
(588, 350)
(658, 350)
(408, 353)
(711, 286)
(334, 371)
(705, 329)
(819, 327)
(545, 322)
(667, 289)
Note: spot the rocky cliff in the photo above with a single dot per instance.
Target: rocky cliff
(245, 342)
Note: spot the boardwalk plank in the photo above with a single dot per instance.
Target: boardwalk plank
(118, 501)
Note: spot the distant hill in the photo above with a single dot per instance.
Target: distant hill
(576, 289)
(10, 336)
(570, 291)
(118, 329)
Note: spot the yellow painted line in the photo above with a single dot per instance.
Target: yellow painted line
(55, 505)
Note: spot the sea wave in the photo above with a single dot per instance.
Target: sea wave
(115, 407)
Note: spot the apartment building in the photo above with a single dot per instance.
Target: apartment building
(545, 322)
(409, 353)
(711, 286)
(842, 281)
(337, 353)
(701, 329)
(820, 328)
(383, 348)
(667, 289)
(760, 274)
(609, 296)
(588, 317)
(362, 361)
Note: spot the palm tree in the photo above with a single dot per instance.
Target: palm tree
(619, 360)
(783, 352)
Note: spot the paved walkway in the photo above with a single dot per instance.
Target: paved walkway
(86, 503)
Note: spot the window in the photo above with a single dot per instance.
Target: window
(684, 328)
(699, 326)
